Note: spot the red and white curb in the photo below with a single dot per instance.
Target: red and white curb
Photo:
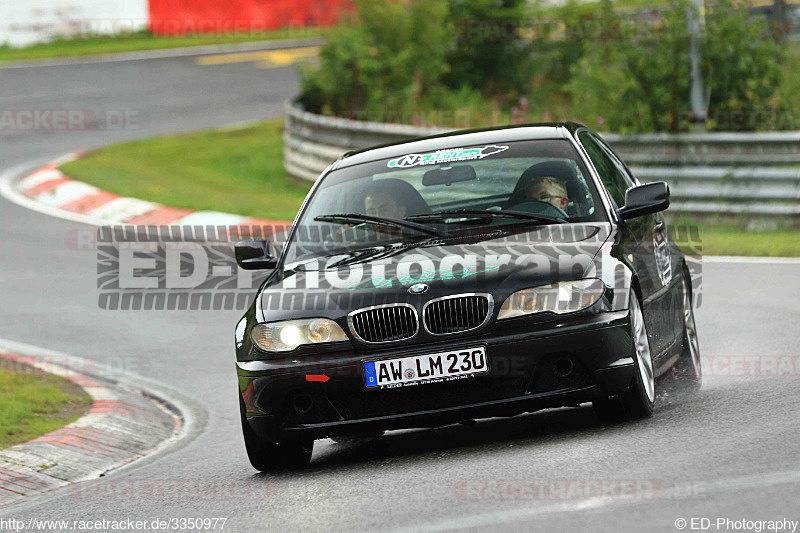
(55, 192)
(124, 424)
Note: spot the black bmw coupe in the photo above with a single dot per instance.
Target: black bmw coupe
(468, 275)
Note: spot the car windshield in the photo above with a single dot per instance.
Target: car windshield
(445, 193)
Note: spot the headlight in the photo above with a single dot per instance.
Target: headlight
(287, 335)
(560, 298)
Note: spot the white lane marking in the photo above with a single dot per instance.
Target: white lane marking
(752, 481)
(244, 124)
(40, 176)
(187, 51)
(210, 218)
(503, 517)
(120, 210)
(9, 191)
(753, 260)
(65, 193)
(66, 158)
(696, 489)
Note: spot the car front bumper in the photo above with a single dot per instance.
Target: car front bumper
(526, 374)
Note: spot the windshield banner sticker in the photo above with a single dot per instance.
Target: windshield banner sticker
(445, 156)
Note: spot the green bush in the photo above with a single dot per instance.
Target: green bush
(743, 66)
(396, 58)
(622, 68)
(786, 115)
(490, 54)
(388, 58)
(558, 34)
(642, 84)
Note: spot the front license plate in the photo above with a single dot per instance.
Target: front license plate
(419, 369)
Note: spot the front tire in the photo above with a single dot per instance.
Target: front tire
(267, 456)
(638, 401)
(688, 367)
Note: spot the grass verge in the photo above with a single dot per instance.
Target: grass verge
(33, 403)
(140, 41)
(235, 171)
(731, 240)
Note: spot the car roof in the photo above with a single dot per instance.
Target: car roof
(520, 132)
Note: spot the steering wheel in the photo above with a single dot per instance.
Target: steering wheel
(538, 207)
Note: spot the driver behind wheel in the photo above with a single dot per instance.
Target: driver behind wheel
(386, 198)
(547, 189)
(382, 204)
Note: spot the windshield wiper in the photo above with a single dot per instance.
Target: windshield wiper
(478, 213)
(375, 253)
(355, 218)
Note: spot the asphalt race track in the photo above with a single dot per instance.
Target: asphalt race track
(731, 451)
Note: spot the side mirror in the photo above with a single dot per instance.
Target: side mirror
(645, 199)
(255, 255)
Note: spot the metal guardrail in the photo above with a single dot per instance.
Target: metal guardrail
(731, 173)
(709, 149)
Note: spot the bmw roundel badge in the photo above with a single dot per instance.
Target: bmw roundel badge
(418, 288)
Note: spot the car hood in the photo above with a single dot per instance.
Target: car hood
(500, 264)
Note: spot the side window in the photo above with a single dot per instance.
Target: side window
(613, 178)
(626, 175)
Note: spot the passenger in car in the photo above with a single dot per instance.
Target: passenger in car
(547, 189)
